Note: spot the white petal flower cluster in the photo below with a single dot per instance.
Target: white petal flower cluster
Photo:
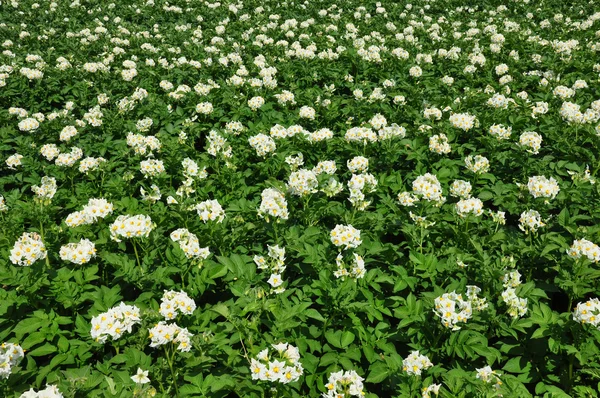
(477, 164)
(189, 243)
(45, 192)
(275, 263)
(281, 365)
(173, 302)
(78, 253)
(143, 145)
(295, 161)
(151, 167)
(344, 384)
(325, 167)
(67, 133)
(355, 270)
(210, 210)
(362, 135)
(262, 144)
(530, 221)
(463, 121)
(126, 226)
(218, 144)
(407, 199)
(302, 182)
(391, 131)
(500, 131)
(345, 236)
(487, 375)
(273, 204)
(115, 322)
(428, 187)
(10, 355)
(29, 124)
(13, 161)
(68, 159)
(531, 141)
(358, 164)
(28, 249)
(588, 312)
(584, 247)
(95, 209)
(517, 307)
(540, 186)
(461, 189)
(474, 206)
(90, 164)
(415, 363)
(49, 392)
(433, 388)
(439, 144)
(452, 309)
(512, 279)
(358, 185)
(164, 333)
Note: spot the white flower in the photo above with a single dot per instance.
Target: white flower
(141, 377)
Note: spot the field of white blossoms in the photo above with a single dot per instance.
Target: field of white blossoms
(299, 199)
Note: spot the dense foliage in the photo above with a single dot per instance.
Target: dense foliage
(275, 198)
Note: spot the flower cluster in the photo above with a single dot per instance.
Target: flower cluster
(210, 210)
(530, 221)
(439, 144)
(138, 226)
(415, 363)
(10, 355)
(173, 302)
(48, 392)
(355, 270)
(461, 189)
(463, 121)
(452, 309)
(500, 131)
(358, 185)
(346, 236)
(115, 322)
(302, 182)
(477, 164)
(584, 247)
(151, 167)
(344, 384)
(92, 211)
(531, 141)
(262, 144)
(281, 365)
(540, 186)
(588, 312)
(428, 187)
(273, 204)
(78, 253)
(163, 333)
(474, 206)
(28, 249)
(487, 375)
(189, 243)
(46, 191)
(275, 264)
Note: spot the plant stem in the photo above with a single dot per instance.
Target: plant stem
(170, 359)
(137, 257)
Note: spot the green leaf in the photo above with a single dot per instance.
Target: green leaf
(378, 372)
(43, 350)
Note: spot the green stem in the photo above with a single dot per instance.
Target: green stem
(137, 257)
(170, 359)
(44, 240)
